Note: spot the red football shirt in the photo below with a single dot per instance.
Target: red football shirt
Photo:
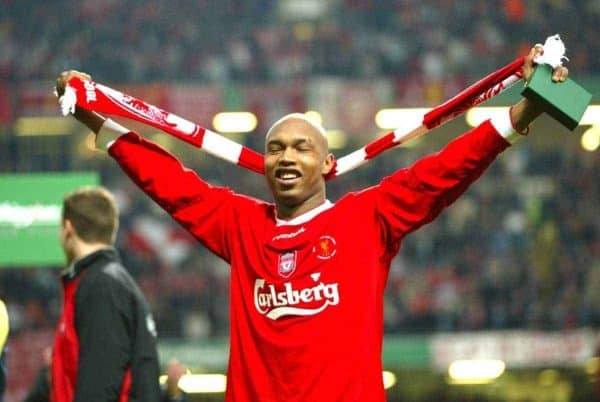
(307, 295)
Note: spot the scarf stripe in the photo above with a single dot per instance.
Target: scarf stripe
(96, 97)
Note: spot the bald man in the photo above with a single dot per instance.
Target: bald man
(297, 159)
(308, 275)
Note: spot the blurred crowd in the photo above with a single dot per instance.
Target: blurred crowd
(520, 250)
(270, 40)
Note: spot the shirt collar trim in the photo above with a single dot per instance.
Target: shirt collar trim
(305, 217)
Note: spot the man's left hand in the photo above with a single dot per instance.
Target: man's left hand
(559, 74)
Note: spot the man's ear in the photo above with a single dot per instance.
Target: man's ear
(68, 226)
(328, 164)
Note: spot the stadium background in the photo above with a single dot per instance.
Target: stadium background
(511, 271)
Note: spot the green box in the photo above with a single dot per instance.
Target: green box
(564, 101)
(30, 215)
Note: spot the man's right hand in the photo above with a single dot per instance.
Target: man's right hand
(65, 76)
(92, 120)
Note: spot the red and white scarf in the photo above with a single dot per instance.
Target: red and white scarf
(96, 97)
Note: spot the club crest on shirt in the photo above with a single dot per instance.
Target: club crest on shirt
(324, 247)
(287, 263)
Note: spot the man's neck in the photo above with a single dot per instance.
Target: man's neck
(85, 249)
(287, 212)
(305, 217)
(81, 251)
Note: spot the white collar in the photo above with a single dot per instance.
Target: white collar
(305, 217)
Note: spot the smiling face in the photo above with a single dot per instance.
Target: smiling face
(296, 161)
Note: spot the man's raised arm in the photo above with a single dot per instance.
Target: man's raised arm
(415, 196)
(200, 208)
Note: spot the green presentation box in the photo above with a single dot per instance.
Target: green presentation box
(566, 101)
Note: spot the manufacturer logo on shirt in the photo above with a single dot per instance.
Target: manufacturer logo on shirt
(291, 235)
(325, 248)
(289, 300)
(287, 263)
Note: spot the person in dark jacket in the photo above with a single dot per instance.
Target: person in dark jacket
(105, 343)
(171, 392)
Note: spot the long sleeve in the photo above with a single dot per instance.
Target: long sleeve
(414, 196)
(202, 209)
(104, 320)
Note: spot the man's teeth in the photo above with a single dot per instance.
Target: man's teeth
(286, 176)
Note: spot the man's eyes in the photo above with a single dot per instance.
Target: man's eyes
(299, 148)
